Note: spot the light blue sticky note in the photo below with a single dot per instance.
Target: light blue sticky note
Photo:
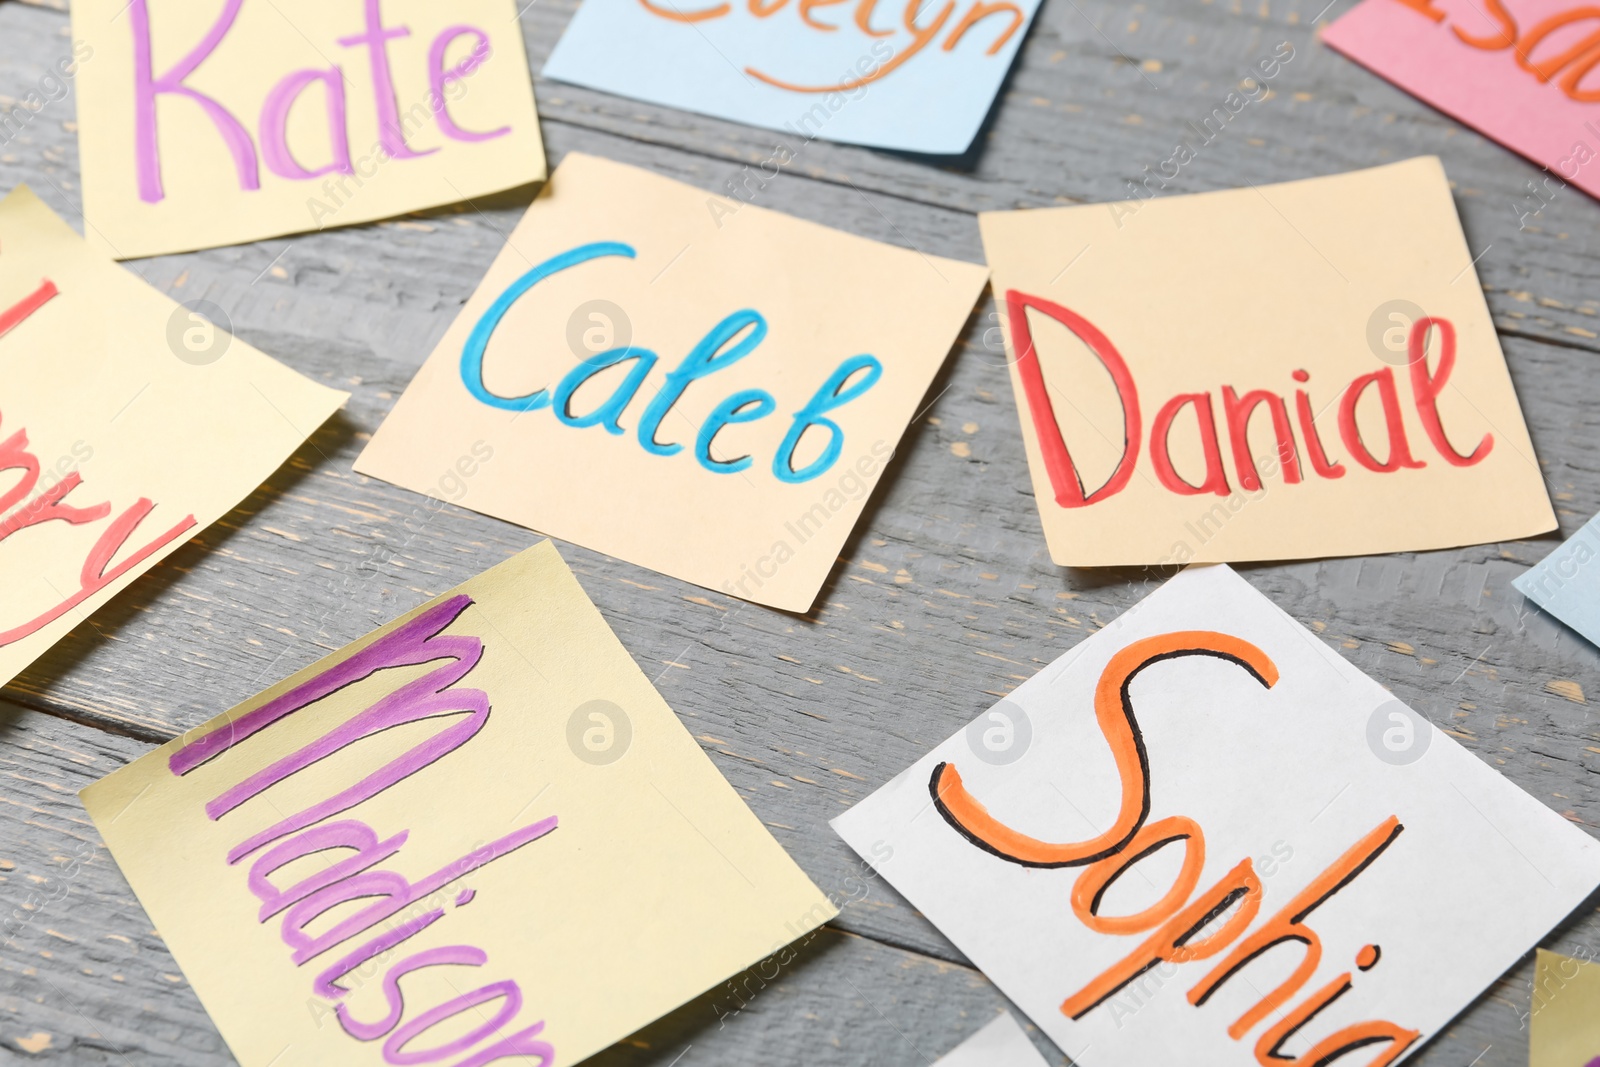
(920, 76)
(1566, 583)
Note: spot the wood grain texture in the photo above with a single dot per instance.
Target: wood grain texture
(944, 598)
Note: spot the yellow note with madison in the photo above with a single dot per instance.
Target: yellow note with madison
(222, 123)
(127, 424)
(1563, 1024)
(681, 380)
(1276, 372)
(476, 835)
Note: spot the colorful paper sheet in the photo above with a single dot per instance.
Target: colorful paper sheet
(1277, 372)
(127, 425)
(1563, 1020)
(1000, 1044)
(1520, 71)
(1566, 585)
(689, 383)
(916, 77)
(1207, 839)
(477, 832)
(226, 122)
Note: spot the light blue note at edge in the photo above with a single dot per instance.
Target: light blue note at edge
(916, 77)
(1566, 583)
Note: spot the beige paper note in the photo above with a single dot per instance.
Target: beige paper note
(692, 384)
(127, 425)
(1564, 1014)
(1283, 372)
(216, 124)
(478, 832)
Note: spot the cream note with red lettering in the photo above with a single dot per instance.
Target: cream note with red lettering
(477, 835)
(222, 123)
(1276, 372)
(128, 423)
(1520, 71)
(1203, 838)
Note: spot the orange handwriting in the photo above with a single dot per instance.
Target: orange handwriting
(1184, 925)
(867, 70)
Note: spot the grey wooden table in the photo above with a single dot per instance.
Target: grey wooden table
(943, 600)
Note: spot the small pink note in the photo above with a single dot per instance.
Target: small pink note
(1520, 71)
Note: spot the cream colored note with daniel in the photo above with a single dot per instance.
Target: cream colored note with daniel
(222, 123)
(128, 424)
(1275, 372)
(476, 834)
(693, 384)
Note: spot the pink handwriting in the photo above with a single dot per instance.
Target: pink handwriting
(149, 87)
(19, 513)
(314, 913)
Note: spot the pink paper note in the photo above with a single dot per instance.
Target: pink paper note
(1520, 71)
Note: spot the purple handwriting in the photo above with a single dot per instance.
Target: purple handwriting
(384, 895)
(149, 87)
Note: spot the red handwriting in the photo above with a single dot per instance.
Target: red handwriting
(317, 916)
(18, 512)
(1184, 925)
(1196, 413)
(1531, 48)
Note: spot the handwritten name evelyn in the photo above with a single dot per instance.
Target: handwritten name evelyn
(1185, 925)
(38, 499)
(319, 929)
(1302, 448)
(885, 57)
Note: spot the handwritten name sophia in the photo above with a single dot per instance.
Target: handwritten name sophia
(1189, 924)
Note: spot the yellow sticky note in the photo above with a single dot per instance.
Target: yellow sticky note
(1564, 1016)
(128, 423)
(1276, 372)
(203, 125)
(691, 383)
(477, 832)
